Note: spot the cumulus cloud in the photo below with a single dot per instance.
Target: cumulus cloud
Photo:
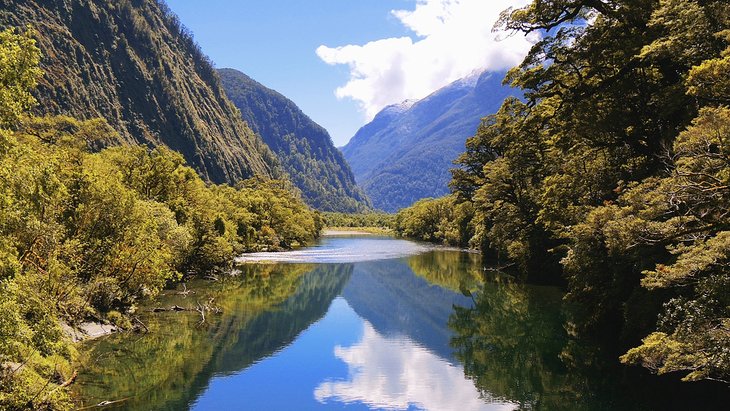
(396, 373)
(453, 39)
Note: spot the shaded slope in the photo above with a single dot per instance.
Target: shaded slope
(406, 152)
(134, 64)
(304, 148)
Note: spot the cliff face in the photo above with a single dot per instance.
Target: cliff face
(304, 148)
(134, 64)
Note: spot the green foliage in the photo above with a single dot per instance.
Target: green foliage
(439, 220)
(685, 212)
(304, 148)
(135, 65)
(19, 73)
(358, 220)
(710, 80)
(676, 229)
(86, 235)
(33, 356)
(617, 165)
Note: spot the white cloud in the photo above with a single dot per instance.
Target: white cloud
(454, 39)
(396, 373)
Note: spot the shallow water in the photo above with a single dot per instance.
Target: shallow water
(371, 323)
(342, 249)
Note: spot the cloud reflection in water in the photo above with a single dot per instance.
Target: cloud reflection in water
(395, 373)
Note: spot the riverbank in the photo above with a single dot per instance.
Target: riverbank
(347, 298)
(342, 231)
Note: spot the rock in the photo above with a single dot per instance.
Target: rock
(87, 331)
(10, 367)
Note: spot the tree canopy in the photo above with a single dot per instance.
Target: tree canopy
(87, 234)
(614, 170)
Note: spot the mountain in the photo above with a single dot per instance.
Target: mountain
(405, 153)
(304, 148)
(395, 301)
(133, 63)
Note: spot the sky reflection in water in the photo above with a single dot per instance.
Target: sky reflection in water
(370, 332)
(342, 249)
(343, 362)
(347, 360)
(396, 373)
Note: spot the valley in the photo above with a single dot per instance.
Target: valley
(528, 208)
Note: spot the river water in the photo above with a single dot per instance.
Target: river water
(367, 322)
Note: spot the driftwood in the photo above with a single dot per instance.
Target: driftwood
(146, 330)
(173, 308)
(499, 268)
(70, 380)
(65, 384)
(104, 404)
(185, 291)
(201, 308)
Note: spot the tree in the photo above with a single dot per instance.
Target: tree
(688, 212)
(19, 72)
(614, 162)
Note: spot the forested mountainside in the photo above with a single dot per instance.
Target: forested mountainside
(87, 234)
(406, 152)
(134, 64)
(304, 148)
(614, 173)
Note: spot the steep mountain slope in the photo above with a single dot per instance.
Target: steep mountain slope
(133, 63)
(406, 152)
(304, 148)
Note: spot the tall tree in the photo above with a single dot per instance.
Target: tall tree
(615, 163)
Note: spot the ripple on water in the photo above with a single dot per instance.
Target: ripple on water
(342, 250)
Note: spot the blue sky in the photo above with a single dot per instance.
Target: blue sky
(341, 61)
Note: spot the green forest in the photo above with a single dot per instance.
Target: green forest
(611, 174)
(86, 234)
(134, 64)
(304, 148)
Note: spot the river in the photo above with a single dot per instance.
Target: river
(368, 322)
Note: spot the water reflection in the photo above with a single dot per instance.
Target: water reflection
(421, 332)
(398, 303)
(396, 374)
(516, 343)
(347, 249)
(453, 270)
(278, 330)
(384, 344)
(263, 310)
(510, 343)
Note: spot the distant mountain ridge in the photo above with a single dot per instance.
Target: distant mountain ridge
(405, 153)
(304, 148)
(132, 63)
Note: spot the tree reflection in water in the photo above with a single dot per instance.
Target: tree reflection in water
(517, 343)
(417, 326)
(262, 310)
